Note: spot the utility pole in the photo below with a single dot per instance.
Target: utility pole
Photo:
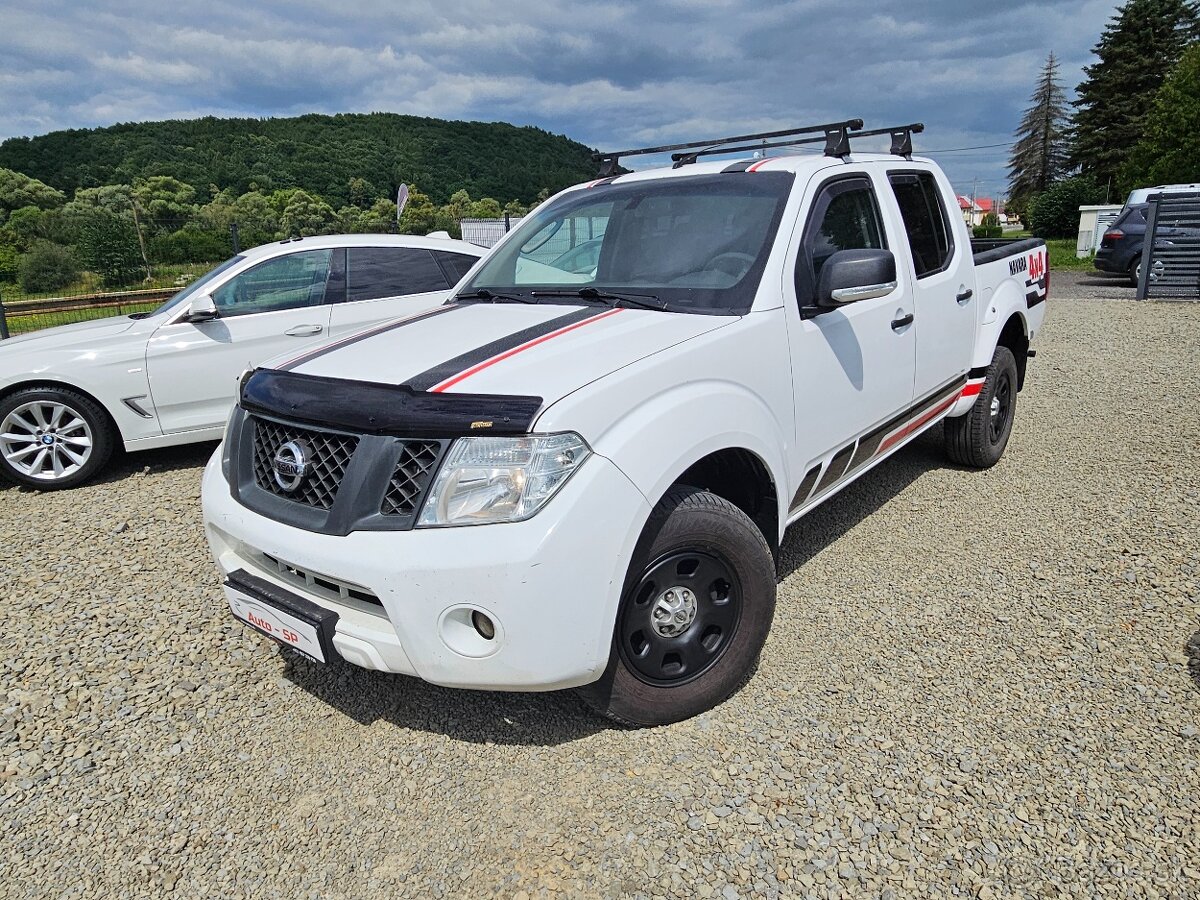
(137, 224)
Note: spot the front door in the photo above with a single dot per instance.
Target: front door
(276, 307)
(852, 366)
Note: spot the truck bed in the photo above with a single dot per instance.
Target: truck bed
(993, 249)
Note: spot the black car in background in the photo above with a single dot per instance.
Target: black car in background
(1121, 247)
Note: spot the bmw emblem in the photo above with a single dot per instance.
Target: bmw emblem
(290, 465)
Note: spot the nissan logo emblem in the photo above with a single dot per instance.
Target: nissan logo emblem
(290, 465)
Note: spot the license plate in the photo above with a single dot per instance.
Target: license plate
(281, 615)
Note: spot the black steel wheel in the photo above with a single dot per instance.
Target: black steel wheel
(697, 606)
(681, 617)
(978, 437)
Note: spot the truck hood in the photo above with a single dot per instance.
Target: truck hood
(504, 349)
(66, 336)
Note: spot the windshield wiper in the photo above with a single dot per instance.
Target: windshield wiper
(485, 294)
(644, 301)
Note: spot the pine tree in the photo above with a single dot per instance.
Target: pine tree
(1039, 157)
(1170, 148)
(1140, 45)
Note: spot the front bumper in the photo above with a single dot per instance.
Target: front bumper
(551, 584)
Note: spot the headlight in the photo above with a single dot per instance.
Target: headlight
(487, 479)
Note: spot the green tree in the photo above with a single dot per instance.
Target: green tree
(420, 215)
(1039, 157)
(1139, 46)
(515, 208)
(1169, 150)
(306, 215)
(1055, 213)
(17, 190)
(360, 192)
(459, 206)
(47, 267)
(10, 260)
(162, 198)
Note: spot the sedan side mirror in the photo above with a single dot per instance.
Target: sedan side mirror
(202, 309)
(852, 275)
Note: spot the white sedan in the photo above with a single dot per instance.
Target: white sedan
(69, 394)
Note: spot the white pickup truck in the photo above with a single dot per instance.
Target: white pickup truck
(579, 470)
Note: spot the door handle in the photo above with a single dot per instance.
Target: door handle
(901, 322)
(964, 296)
(304, 330)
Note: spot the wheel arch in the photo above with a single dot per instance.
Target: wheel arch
(670, 439)
(1015, 336)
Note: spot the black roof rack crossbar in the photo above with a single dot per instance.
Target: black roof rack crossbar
(901, 136)
(609, 161)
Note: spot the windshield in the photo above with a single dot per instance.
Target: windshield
(698, 244)
(195, 287)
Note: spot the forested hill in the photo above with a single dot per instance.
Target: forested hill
(318, 153)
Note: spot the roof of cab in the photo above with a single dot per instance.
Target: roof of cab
(334, 241)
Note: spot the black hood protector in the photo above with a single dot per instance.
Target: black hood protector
(388, 409)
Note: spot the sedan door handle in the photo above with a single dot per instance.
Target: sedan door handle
(304, 330)
(901, 322)
(964, 296)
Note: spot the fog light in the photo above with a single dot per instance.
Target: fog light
(485, 626)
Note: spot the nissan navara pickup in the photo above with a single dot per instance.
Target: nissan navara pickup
(578, 471)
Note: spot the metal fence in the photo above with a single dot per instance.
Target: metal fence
(31, 315)
(1171, 253)
(487, 232)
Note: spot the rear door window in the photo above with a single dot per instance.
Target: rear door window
(455, 265)
(377, 272)
(929, 235)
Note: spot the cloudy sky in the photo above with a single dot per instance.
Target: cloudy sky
(607, 74)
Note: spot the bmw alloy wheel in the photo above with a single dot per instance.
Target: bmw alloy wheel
(45, 440)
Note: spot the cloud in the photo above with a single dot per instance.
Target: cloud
(610, 74)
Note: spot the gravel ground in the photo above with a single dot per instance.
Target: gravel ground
(978, 685)
(1089, 285)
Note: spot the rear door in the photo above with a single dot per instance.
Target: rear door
(852, 366)
(278, 306)
(387, 283)
(942, 273)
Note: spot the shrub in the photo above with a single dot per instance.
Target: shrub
(191, 245)
(109, 245)
(1055, 212)
(47, 267)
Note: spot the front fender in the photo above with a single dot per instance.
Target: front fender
(663, 435)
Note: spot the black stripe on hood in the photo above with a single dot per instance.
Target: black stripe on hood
(451, 367)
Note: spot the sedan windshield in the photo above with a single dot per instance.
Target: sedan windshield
(695, 244)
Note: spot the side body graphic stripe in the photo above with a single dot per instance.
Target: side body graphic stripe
(369, 333)
(449, 373)
(806, 486)
(836, 469)
(880, 440)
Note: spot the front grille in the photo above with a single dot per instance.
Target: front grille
(328, 456)
(411, 477)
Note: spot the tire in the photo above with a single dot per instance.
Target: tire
(1135, 269)
(978, 438)
(701, 589)
(52, 438)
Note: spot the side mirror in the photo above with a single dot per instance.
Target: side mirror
(852, 275)
(202, 309)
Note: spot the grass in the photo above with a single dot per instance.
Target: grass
(164, 276)
(1062, 256)
(18, 324)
